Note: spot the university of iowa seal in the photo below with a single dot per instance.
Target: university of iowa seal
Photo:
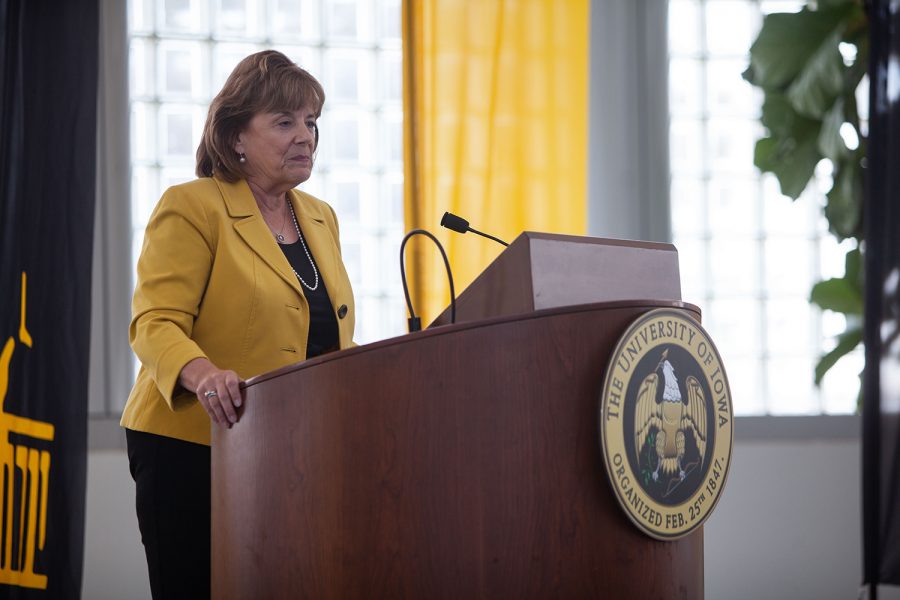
(666, 423)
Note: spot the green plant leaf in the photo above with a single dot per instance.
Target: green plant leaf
(821, 79)
(839, 295)
(830, 142)
(809, 95)
(844, 207)
(792, 161)
(780, 118)
(853, 268)
(797, 167)
(787, 41)
(765, 153)
(847, 341)
(791, 152)
(777, 115)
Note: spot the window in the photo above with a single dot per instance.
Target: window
(181, 52)
(749, 255)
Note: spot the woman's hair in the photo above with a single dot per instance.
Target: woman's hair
(263, 82)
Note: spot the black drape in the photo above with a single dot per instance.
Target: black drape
(48, 68)
(881, 408)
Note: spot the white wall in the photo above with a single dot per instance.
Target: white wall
(114, 563)
(788, 523)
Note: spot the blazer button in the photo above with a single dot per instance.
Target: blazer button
(342, 311)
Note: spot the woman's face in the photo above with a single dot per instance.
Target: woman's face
(279, 149)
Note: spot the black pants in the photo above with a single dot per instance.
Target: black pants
(173, 509)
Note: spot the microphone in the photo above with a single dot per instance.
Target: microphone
(414, 322)
(458, 224)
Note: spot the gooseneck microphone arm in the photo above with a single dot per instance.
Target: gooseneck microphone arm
(460, 225)
(488, 236)
(415, 323)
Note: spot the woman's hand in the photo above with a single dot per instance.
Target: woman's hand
(217, 390)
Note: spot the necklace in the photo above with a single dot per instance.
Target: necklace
(279, 236)
(315, 285)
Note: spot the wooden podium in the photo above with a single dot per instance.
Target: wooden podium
(458, 462)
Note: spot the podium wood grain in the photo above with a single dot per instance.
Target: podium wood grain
(458, 462)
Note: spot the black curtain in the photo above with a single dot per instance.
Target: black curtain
(881, 407)
(48, 67)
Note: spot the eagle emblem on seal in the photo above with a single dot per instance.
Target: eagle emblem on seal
(672, 416)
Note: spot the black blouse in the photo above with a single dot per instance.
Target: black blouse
(323, 327)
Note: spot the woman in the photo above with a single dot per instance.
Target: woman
(239, 274)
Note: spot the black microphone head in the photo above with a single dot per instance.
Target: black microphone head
(451, 221)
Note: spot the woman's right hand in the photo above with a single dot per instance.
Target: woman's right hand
(217, 390)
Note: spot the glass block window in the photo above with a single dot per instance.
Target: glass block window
(749, 255)
(181, 52)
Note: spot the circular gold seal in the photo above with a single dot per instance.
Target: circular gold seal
(666, 423)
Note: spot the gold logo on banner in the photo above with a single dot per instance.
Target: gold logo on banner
(26, 475)
(666, 424)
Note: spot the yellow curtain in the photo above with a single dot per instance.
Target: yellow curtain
(495, 101)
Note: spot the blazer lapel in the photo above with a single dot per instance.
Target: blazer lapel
(251, 227)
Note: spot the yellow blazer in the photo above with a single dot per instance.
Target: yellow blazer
(212, 282)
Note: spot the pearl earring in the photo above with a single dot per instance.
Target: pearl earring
(242, 159)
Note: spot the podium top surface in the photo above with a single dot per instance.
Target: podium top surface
(643, 305)
(544, 270)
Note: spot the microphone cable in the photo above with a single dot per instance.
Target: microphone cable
(460, 225)
(415, 323)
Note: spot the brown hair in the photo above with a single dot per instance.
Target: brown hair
(267, 81)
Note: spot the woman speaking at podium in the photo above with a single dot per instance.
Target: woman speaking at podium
(239, 274)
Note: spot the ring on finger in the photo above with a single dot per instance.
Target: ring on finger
(210, 393)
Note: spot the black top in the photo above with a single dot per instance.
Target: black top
(323, 327)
